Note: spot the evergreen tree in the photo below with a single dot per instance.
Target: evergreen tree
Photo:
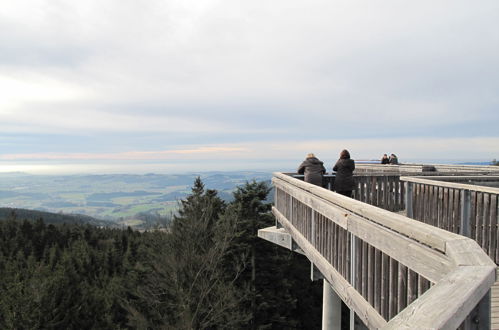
(278, 278)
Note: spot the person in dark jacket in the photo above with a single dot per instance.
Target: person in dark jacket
(393, 160)
(313, 169)
(344, 167)
(385, 159)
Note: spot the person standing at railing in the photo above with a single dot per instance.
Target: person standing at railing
(313, 169)
(344, 167)
(393, 160)
(385, 159)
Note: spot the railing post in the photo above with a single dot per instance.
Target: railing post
(465, 213)
(331, 308)
(312, 229)
(408, 199)
(353, 262)
(483, 317)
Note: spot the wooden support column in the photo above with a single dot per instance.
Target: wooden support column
(408, 199)
(465, 225)
(331, 308)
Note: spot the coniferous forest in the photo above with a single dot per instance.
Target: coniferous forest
(208, 270)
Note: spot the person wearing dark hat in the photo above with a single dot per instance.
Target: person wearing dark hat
(313, 169)
(344, 167)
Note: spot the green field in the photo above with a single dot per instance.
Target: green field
(123, 198)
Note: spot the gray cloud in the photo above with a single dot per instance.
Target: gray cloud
(219, 71)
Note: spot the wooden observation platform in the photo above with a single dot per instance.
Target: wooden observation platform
(416, 248)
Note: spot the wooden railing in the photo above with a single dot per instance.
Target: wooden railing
(394, 272)
(469, 210)
(420, 169)
(383, 190)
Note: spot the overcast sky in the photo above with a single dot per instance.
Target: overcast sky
(225, 84)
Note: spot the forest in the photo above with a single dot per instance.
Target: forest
(207, 270)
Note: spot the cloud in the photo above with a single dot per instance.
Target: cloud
(220, 72)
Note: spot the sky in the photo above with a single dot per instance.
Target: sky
(182, 85)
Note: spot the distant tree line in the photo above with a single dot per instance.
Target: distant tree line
(207, 271)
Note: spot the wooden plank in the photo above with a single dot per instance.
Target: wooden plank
(467, 252)
(321, 206)
(452, 185)
(430, 236)
(460, 291)
(473, 227)
(412, 286)
(365, 269)
(440, 207)
(456, 211)
(429, 263)
(402, 288)
(370, 276)
(486, 223)
(377, 281)
(393, 293)
(385, 288)
(345, 291)
(450, 211)
(479, 218)
(378, 192)
(494, 227)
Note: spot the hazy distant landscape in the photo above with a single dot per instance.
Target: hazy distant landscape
(124, 198)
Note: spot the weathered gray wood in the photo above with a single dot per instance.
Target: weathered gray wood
(427, 313)
(447, 254)
(465, 227)
(385, 289)
(319, 205)
(486, 223)
(280, 237)
(377, 280)
(460, 186)
(365, 269)
(393, 293)
(424, 261)
(408, 199)
(402, 288)
(346, 292)
(370, 276)
(479, 218)
(430, 236)
(466, 252)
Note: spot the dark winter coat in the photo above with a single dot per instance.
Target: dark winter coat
(344, 175)
(313, 170)
(394, 160)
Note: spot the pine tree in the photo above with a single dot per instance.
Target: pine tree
(275, 274)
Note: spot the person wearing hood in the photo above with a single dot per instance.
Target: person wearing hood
(393, 160)
(344, 167)
(313, 169)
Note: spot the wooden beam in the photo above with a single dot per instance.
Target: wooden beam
(431, 236)
(340, 285)
(429, 181)
(447, 304)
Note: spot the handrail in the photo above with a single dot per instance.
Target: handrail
(468, 209)
(440, 182)
(393, 271)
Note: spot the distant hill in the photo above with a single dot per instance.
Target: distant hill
(53, 218)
